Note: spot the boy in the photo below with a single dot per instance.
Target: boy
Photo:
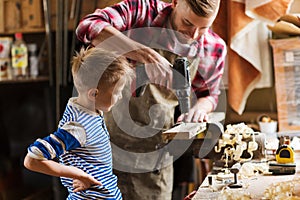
(82, 142)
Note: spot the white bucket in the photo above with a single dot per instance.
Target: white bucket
(268, 127)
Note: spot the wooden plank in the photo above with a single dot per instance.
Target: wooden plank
(185, 130)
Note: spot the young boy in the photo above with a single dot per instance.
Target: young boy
(82, 142)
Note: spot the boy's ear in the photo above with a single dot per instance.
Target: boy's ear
(92, 94)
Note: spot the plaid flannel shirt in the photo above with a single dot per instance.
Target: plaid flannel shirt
(131, 14)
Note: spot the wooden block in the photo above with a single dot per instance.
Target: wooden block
(185, 131)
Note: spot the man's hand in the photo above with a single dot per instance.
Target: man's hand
(193, 115)
(158, 69)
(84, 183)
(198, 113)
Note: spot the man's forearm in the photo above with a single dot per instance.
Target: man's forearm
(113, 39)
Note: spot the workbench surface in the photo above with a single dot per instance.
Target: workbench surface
(254, 186)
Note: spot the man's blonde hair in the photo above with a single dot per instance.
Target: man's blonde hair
(94, 67)
(204, 8)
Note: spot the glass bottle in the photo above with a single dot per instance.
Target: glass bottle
(19, 54)
(33, 60)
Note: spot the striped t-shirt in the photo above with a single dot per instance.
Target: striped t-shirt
(82, 141)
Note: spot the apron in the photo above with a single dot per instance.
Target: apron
(135, 125)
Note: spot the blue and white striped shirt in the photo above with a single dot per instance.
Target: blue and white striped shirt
(82, 141)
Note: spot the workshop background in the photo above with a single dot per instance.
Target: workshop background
(31, 107)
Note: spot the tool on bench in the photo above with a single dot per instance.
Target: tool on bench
(235, 184)
(285, 153)
(284, 159)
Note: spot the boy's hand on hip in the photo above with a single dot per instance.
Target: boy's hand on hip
(84, 183)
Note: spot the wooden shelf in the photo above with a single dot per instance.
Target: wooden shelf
(25, 80)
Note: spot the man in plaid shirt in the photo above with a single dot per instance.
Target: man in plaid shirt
(154, 33)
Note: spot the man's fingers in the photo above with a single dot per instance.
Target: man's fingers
(193, 116)
(160, 74)
(188, 117)
(201, 117)
(197, 116)
(205, 119)
(180, 118)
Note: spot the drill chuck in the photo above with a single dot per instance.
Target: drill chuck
(184, 104)
(182, 83)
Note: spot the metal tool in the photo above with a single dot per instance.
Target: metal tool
(285, 154)
(181, 82)
(285, 159)
(282, 169)
(235, 184)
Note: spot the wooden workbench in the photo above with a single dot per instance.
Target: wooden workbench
(254, 186)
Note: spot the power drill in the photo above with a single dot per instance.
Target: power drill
(181, 82)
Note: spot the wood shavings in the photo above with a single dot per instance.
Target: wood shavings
(251, 169)
(240, 128)
(228, 194)
(233, 143)
(283, 190)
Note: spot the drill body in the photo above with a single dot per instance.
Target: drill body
(181, 82)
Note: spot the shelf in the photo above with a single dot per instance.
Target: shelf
(22, 30)
(25, 80)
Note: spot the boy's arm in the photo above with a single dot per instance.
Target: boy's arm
(42, 152)
(53, 168)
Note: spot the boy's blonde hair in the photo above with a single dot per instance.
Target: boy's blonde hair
(95, 67)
